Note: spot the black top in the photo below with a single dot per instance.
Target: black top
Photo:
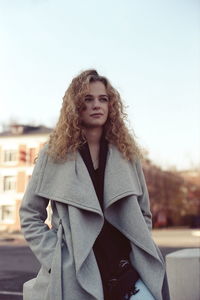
(111, 246)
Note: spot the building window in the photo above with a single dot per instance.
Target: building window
(7, 213)
(9, 183)
(10, 155)
(22, 156)
(32, 154)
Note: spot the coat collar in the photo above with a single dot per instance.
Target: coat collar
(121, 178)
(70, 182)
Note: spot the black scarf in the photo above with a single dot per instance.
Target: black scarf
(97, 176)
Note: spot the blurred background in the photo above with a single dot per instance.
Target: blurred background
(150, 50)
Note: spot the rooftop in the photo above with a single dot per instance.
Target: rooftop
(21, 129)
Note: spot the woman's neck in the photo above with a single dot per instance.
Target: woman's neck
(93, 135)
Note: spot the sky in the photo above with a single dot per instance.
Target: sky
(149, 50)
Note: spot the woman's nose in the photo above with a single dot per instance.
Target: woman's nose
(96, 103)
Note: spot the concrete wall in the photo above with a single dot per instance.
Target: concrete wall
(183, 271)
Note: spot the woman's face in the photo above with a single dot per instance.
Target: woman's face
(95, 110)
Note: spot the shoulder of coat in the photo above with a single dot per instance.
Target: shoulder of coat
(44, 148)
(44, 155)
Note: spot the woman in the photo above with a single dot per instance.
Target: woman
(99, 246)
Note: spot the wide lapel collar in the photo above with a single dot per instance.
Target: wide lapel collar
(69, 183)
(87, 192)
(121, 181)
(121, 178)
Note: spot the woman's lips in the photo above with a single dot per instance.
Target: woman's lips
(96, 115)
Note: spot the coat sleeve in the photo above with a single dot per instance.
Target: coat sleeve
(33, 213)
(144, 198)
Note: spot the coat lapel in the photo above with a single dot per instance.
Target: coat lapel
(122, 189)
(69, 183)
(121, 178)
(122, 210)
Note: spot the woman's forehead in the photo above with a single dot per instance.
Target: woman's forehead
(96, 87)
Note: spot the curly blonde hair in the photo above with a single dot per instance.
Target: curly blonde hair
(68, 134)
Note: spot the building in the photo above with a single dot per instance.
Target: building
(19, 147)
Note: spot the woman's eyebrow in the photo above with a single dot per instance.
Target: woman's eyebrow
(103, 96)
(99, 95)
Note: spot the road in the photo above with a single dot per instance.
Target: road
(18, 264)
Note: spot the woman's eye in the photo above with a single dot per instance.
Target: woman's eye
(104, 99)
(88, 99)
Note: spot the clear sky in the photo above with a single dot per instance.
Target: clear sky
(149, 49)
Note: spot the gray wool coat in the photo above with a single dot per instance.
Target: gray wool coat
(69, 269)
